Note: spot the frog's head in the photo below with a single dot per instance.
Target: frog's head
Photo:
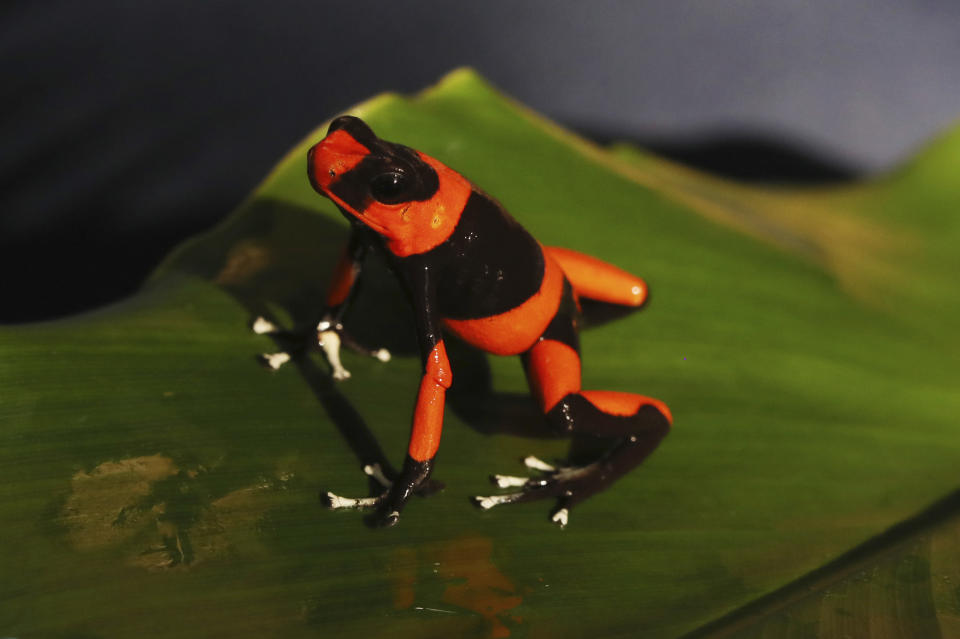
(407, 197)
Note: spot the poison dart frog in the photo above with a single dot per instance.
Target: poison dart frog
(469, 269)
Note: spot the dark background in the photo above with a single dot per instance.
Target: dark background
(128, 126)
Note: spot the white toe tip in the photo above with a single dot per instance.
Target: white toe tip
(336, 501)
(486, 502)
(494, 500)
(262, 326)
(376, 472)
(561, 517)
(509, 481)
(538, 464)
(275, 360)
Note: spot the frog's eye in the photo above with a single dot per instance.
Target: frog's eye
(390, 187)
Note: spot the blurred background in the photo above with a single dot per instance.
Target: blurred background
(129, 126)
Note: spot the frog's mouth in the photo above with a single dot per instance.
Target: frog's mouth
(311, 172)
(354, 217)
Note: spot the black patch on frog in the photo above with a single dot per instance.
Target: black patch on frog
(489, 264)
(564, 327)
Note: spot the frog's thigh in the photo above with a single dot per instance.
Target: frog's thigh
(553, 371)
(552, 364)
(595, 279)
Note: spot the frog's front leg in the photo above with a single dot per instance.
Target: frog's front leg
(424, 435)
(373, 471)
(424, 442)
(431, 398)
(329, 333)
(328, 338)
(343, 287)
(331, 336)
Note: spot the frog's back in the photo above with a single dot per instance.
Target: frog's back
(497, 289)
(493, 263)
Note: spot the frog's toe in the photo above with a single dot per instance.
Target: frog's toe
(489, 501)
(274, 361)
(338, 502)
(535, 463)
(531, 488)
(561, 516)
(262, 326)
(509, 481)
(376, 472)
(347, 340)
(568, 484)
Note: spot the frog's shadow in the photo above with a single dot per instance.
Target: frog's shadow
(275, 259)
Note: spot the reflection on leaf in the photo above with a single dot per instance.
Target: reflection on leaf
(469, 578)
(484, 589)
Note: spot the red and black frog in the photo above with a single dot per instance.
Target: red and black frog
(470, 270)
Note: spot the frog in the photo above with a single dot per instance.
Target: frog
(469, 269)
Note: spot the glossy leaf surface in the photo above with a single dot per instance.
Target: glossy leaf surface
(162, 483)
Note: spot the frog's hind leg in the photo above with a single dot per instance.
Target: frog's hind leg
(597, 280)
(635, 425)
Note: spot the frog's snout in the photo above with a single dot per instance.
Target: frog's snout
(316, 172)
(325, 163)
(333, 156)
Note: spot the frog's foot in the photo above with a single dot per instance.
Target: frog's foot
(560, 482)
(336, 502)
(329, 342)
(635, 423)
(331, 335)
(533, 463)
(375, 472)
(569, 485)
(263, 326)
(328, 338)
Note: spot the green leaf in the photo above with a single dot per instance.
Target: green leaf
(161, 482)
